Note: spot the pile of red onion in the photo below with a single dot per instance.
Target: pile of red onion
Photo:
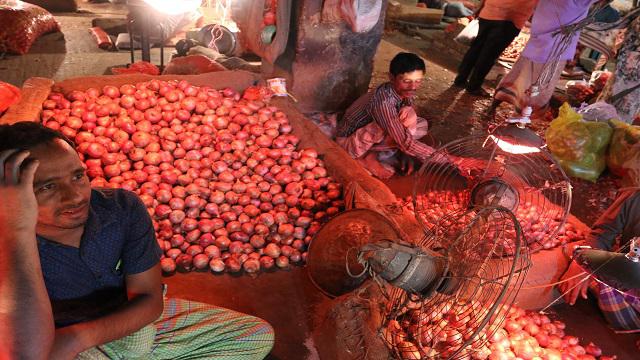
(220, 174)
(523, 335)
(536, 233)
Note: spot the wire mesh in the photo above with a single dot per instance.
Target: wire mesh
(532, 185)
(481, 285)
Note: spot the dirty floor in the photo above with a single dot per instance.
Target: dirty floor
(287, 298)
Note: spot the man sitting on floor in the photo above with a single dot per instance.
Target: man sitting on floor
(79, 269)
(621, 220)
(383, 121)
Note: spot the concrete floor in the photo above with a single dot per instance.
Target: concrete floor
(287, 298)
(70, 53)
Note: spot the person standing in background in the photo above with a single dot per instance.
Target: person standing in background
(500, 22)
(623, 91)
(546, 53)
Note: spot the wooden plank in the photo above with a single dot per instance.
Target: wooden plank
(237, 80)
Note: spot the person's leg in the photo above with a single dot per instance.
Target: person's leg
(361, 141)
(192, 330)
(539, 103)
(619, 311)
(371, 163)
(135, 346)
(471, 56)
(498, 38)
(513, 86)
(422, 129)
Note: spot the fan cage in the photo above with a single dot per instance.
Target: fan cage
(457, 325)
(446, 181)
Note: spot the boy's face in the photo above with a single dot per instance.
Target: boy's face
(61, 187)
(406, 84)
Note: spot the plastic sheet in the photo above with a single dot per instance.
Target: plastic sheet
(599, 111)
(469, 33)
(578, 145)
(23, 23)
(361, 15)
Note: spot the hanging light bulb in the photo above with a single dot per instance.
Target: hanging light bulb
(617, 270)
(516, 138)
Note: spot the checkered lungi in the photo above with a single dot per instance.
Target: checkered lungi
(621, 311)
(189, 330)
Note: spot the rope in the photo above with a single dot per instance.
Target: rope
(216, 29)
(216, 34)
(551, 284)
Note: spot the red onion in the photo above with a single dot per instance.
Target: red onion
(217, 265)
(168, 265)
(251, 266)
(266, 262)
(201, 261)
(282, 262)
(272, 250)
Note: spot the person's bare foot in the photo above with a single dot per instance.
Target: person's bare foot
(371, 163)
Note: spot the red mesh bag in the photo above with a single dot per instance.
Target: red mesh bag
(138, 67)
(22, 24)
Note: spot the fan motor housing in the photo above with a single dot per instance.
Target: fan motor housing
(406, 267)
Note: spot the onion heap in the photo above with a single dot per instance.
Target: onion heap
(220, 173)
(441, 204)
(523, 335)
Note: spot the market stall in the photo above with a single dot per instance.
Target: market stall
(238, 184)
(367, 192)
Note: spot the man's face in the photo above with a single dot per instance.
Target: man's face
(62, 188)
(406, 84)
